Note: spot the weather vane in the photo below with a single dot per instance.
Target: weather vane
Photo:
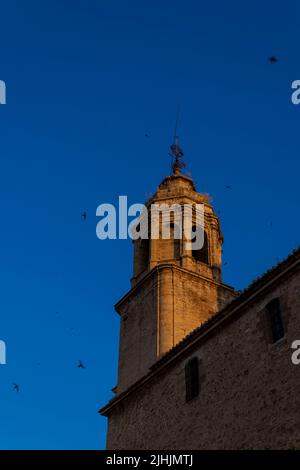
(176, 152)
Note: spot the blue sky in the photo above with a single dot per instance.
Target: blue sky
(85, 81)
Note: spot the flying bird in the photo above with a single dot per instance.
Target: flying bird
(228, 187)
(80, 365)
(84, 215)
(16, 387)
(273, 59)
(147, 135)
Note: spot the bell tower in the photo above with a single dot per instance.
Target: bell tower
(173, 289)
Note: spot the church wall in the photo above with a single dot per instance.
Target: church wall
(167, 306)
(186, 301)
(249, 397)
(138, 327)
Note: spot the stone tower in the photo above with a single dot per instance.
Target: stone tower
(173, 290)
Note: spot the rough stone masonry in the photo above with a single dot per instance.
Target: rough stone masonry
(177, 309)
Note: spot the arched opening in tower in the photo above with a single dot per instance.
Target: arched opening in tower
(202, 253)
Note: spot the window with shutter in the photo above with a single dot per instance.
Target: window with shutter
(274, 313)
(192, 378)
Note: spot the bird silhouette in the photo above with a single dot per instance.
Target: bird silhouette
(84, 215)
(147, 135)
(16, 387)
(80, 365)
(228, 187)
(273, 59)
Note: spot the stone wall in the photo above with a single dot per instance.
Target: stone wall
(249, 397)
(162, 310)
(138, 327)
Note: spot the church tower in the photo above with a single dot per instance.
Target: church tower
(173, 289)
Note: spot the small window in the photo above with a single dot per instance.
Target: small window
(170, 247)
(274, 314)
(192, 379)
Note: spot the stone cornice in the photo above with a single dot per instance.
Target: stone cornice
(160, 267)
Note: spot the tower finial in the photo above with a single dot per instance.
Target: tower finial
(176, 151)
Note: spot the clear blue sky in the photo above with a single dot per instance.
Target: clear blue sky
(85, 81)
